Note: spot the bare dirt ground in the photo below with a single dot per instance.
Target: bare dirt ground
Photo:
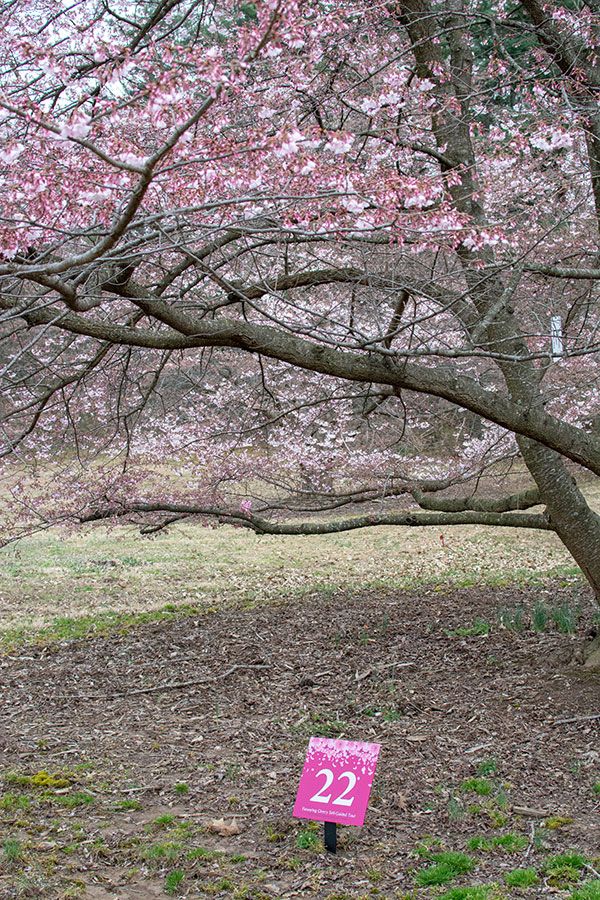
(165, 760)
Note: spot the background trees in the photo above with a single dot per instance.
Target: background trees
(279, 258)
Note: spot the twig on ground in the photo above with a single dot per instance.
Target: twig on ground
(576, 719)
(173, 686)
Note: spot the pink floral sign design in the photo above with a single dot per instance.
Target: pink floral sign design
(336, 781)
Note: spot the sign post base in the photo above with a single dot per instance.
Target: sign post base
(330, 836)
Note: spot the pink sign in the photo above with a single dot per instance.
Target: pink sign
(336, 781)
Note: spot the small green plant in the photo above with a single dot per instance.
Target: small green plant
(564, 869)
(512, 843)
(424, 849)
(72, 801)
(182, 789)
(556, 822)
(169, 850)
(521, 878)
(274, 835)
(481, 786)
(41, 779)
(12, 802)
(565, 618)
(512, 619)
(596, 788)
(467, 893)
(217, 887)
(202, 853)
(539, 616)
(479, 843)
(456, 810)
(589, 891)
(328, 727)
(12, 850)
(447, 865)
(173, 881)
(163, 821)
(487, 767)
(127, 805)
(374, 876)
(479, 628)
(308, 839)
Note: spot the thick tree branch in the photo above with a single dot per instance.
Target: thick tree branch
(442, 381)
(264, 526)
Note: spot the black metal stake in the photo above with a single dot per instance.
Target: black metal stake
(330, 836)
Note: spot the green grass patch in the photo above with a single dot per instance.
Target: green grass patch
(481, 786)
(14, 802)
(308, 839)
(163, 821)
(564, 869)
(447, 865)
(521, 878)
(127, 805)
(66, 628)
(589, 891)
(487, 767)
(164, 852)
(70, 801)
(479, 628)
(479, 892)
(12, 850)
(41, 779)
(565, 618)
(510, 843)
(512, 619)
(202, 853)
(173, 881)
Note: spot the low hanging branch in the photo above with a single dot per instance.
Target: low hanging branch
(264, 526)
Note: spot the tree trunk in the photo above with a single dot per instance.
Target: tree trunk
(576, 524)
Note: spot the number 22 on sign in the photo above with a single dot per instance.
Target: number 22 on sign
(336, 781)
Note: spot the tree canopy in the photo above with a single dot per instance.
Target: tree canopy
(301, 266)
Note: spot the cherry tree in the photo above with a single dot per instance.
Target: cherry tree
(302, 267)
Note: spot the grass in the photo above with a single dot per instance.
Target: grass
(512, 619)
(479, 628)
(12, 850)
(481, 786)
(129, 579)
(521, 878)
(542, 618)
(589, 891)
(12, 802)
(480, 892)
(510, 843)
(128, 805)
(564, 869)
(565, 618)
(447, 865)
(173, 881)
(308, 839)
